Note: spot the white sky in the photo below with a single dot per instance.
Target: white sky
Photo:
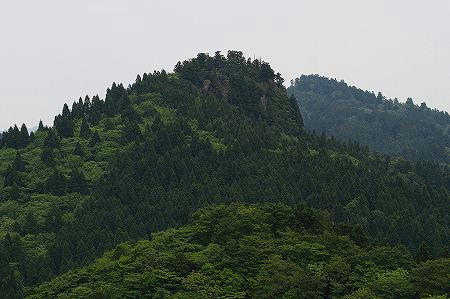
(52, 52)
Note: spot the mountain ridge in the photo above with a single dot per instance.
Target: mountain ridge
(385, 125)
(148, 156)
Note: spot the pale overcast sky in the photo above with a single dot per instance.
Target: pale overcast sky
(52, 52)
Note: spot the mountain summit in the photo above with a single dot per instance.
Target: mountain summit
(214, 132)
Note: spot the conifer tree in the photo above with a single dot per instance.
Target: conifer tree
(31, 225)
(423, 253)
(87, 104)
(77, 182)
(47, 156)
(78, 150)
(66, 258)
(10, 283)
(41, 126)
(14, 193)
(23, 137)
(51, 140)
(19, 164)
(53, 221)
(11, 176)
(131, 131)
(95, 139)
(85, 131)
(66, 111)
(56, 184)
(32, 137)
(64, 125)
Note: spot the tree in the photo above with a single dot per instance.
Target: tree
(23, 137)
(11, 286)
(78, 150)
(63, 123)
(11, 176)
(409, 102)
(85, 131)
(157, 124)
(431, 277)
(66, 258)
(15, 138)
(64, 126)
(19, 164)
(423, 253)
(95, 139)
(131, 131)
(41, 126)
(393, 284)
(77, 182)
(51, 140)
(53, 220)
(15, 192)
(380, 97)
(48, 156)
(78, 109)
(283, 279)
(66, 111)
(56, 184)
(31, 225)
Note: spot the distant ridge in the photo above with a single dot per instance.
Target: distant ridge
(385, 125)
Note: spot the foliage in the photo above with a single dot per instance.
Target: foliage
(385, 125)
(149, 155)
(201, 261)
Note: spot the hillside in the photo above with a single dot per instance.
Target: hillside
(256, 251)
(217, 130)
(385, 125)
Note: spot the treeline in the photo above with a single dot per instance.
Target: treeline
(16, 138)
(149, 155)
(386, 125)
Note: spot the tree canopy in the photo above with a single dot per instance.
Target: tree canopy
(386, 125)
(219, 129)
(252, 251)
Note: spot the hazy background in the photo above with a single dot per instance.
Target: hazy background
(52, 52)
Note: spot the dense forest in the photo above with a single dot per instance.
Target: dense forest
(255, 251)
(217, 130)
(386, 125)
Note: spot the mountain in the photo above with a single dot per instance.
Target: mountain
(385, 125)
(217, 130)
(255, 251)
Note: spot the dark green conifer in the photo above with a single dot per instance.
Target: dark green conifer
(77, 182)
(85, 131)
(41, 126)
(48, 156)
(78, 150)
(19, 164)
(95, 139)
(51, 140)
(423, 253)
(56, 184)
(23, 137)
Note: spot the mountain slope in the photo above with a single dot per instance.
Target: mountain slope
(217, 130)
(385, 125)
(256, 251)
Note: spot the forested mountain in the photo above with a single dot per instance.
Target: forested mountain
(219, 129)
(256, 251)
(385, 125)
